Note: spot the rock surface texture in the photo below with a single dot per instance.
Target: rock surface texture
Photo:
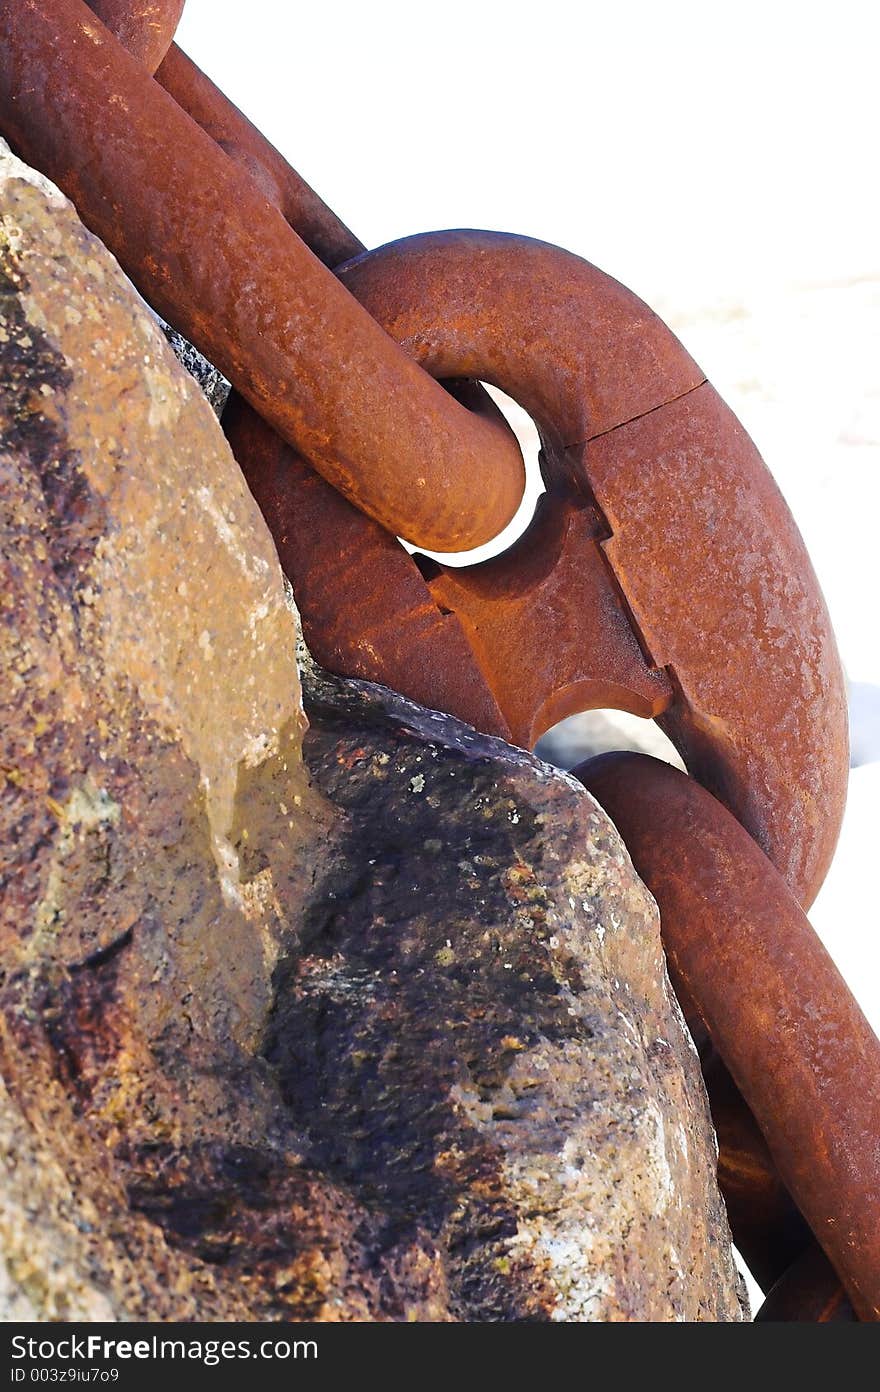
(365, 1021)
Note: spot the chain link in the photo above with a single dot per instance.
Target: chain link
(219, 262)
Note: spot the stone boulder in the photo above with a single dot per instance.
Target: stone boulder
(360, 1018)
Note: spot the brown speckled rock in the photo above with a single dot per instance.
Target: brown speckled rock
(479, 1037)
(385, 1034)
(146, 662)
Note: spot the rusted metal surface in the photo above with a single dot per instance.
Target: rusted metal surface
(318, 226)
(350, 540)
(214, 257)
(277, 473)
(553, 595)
(771, 999)
(808, 1293)
(388, 629)
(664, 575)
(767, 1226)
(145, 27)
(330, 240)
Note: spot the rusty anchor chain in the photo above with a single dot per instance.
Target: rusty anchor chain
(662, 573)
(164, 197)
(804, 1057)
(623, 559)
(145, 27)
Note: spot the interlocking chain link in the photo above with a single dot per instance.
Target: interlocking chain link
(663, 573)
(218, 260)
(145, 28)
